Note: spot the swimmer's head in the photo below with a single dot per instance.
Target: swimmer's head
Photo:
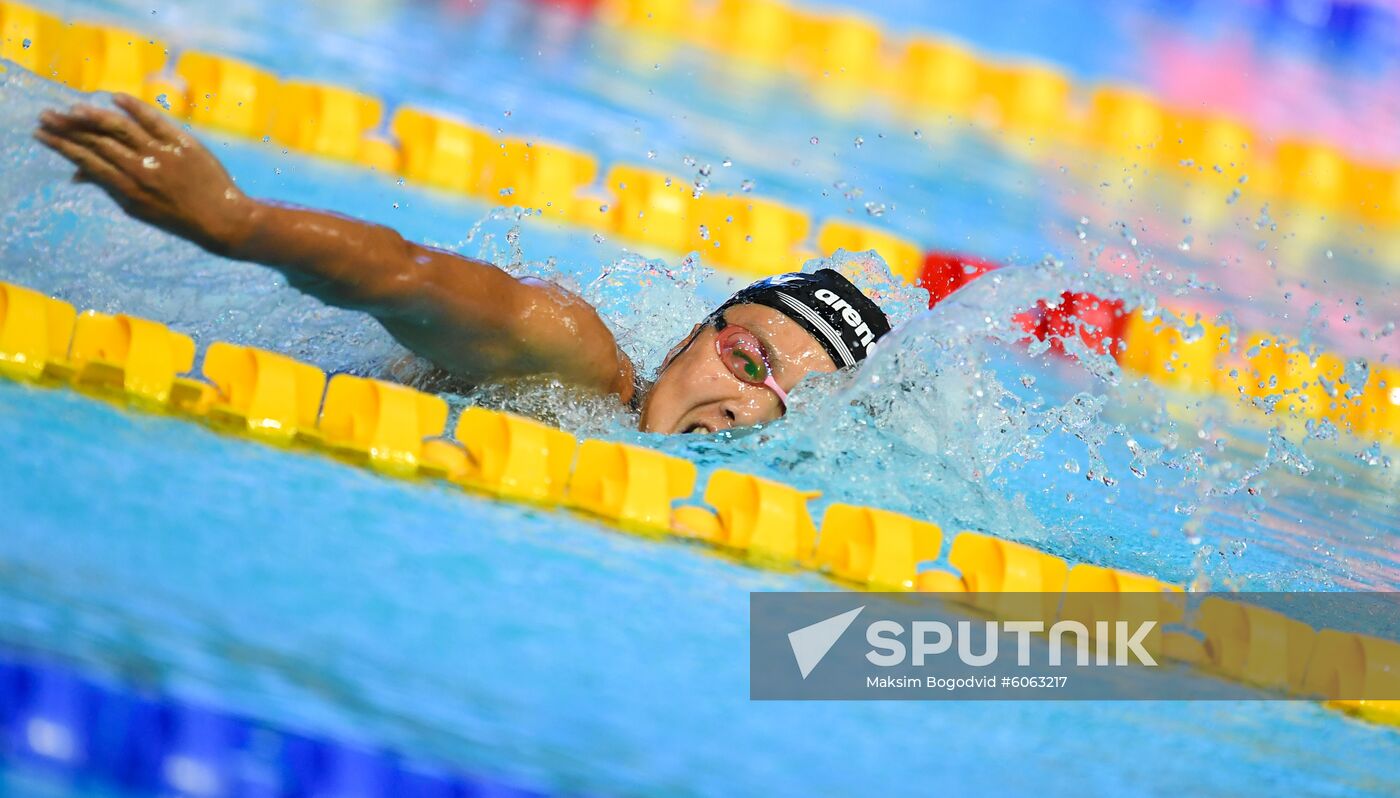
(736, 366)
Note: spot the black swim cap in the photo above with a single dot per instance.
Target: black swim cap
(827, 305)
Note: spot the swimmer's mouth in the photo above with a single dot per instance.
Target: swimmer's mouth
(698, 427)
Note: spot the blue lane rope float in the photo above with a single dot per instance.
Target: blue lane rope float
(61, 723)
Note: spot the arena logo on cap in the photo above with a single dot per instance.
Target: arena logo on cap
(849, 315)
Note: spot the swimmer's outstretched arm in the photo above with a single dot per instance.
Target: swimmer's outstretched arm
(468, 317)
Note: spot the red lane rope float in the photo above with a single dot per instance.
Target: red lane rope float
(1099, 321)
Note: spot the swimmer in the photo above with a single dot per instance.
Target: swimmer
(469, 318)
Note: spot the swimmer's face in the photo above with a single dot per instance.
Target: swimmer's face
(697, 392)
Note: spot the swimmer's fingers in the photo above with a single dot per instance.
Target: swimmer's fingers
(105, 147)
(153, 122)
(101, 121)
(109, 149)
(91, 165)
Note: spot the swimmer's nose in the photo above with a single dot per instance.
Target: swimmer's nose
(717, 417)
(730, 414)
(740, 413)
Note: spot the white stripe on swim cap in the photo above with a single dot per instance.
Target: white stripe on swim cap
(821, 324)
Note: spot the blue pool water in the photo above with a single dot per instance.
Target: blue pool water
(527, 644)
(551, 651)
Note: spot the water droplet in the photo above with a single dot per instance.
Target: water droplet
(688, 161)
(918, 135)
(598, 238)
(651, 154)
(875, 208)
(26, 44)
(1186, 220)
(603, 208)
(1185, 245)
(746, 186)
(507, 113)
(704, 232)
(748, 238)
(506, 192)
(726, 163)
(860, 142)
(1329, 254)
(396, 205)
(162, 100)
(815, 140)
(1234, 195)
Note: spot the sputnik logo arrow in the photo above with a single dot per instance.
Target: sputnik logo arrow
(811, 643)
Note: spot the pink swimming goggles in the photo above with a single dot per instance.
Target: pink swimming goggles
(743, 354)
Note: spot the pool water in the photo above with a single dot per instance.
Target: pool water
(555, 652)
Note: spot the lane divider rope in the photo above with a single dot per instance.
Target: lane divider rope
(846, 60)
(84, 731)
(398, 431)
(1264, 375)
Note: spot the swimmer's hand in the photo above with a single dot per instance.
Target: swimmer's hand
(468, 317)
(155, 171)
